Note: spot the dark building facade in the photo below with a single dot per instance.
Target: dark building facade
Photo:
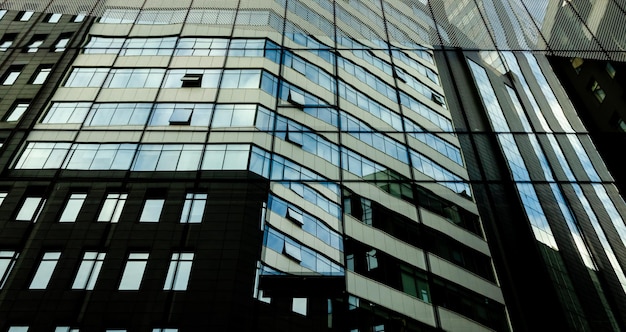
(298, 165)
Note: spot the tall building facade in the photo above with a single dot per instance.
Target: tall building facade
(298, 165)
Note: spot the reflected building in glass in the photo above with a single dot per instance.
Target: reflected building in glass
(299, 165)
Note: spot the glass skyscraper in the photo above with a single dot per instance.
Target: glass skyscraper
(297, 165)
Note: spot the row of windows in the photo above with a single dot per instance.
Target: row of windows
(299, 253)
(367, 134)
(90, 77)
(35, 42)
(111, 210)
(307, 222)
(25, 16)
(14, 71)
(186, 157)
(183, 46)
(158, 114)
(346, 91)
(177, 277)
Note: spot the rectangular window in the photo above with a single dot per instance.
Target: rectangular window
(65, 329)
(7, 261)
(18, 110)
(152, 210)
(133, 271)
(6, 41)
(44, 271)
(79, 17)
(53, 18)
(72, 208)
(31, 207)
(35, 43)
(112, 208)
(88, 270)
(191, 80)
(181, 116)
(598, 92)
(41, 74)
(11, 75)
(193, 210)
(299, 305)
(61, 44)
(24, 16)
(3, 195)
(18, 329)
(179, 271)
(164, 330)
(87, 77)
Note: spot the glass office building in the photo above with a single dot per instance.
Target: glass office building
(301, 165)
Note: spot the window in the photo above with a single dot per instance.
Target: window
(3, 195)
(88, 270)
(152, 210)
(193, 210)
(598, 92)
(24, 16)
(610, 70)
(292, 251)
(65, 329)
(67, 112)
(61, 43)
(87, 77)
(133, 272)
(6, 41)
(164, 330)
(18, 110)
(179, 271)
(134, 78)
(2, 13)
(112, 208)
(577, 64)
(45, 270)
(296, 98)
(79, 17)
(18, 329)
(31, 207)
(35, 43)
(7, 261)
(295, 216)
(72, 208)
(298, 305)
(191, 80)
(53, 18)
(41, 75)
(181, 116)
(11, 75)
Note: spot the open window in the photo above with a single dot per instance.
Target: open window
(296, 98)
(181, 116)
(192, 80)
